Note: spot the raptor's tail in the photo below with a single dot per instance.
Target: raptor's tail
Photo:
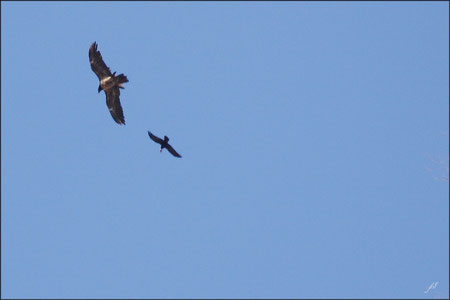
(121, 79)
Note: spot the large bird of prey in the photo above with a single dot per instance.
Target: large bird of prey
(109, 83)
(164, 144)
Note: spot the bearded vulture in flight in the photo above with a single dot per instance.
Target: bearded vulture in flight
(109, 83)
(164, 144)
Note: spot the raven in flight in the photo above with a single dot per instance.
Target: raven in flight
(164, 144)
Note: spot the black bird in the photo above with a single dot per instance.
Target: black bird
(164, 144)
(109, 83)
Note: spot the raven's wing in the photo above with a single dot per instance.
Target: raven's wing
(154, 138)
(97, 64)
(172, 151)
(113, 103)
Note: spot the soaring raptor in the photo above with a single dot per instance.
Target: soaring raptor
(109, 83)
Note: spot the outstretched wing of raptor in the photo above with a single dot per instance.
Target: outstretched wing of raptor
(97, 64)
(113, 103)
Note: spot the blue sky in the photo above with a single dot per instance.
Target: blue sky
(311, 136)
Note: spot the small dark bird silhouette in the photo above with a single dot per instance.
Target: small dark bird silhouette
(164, 144)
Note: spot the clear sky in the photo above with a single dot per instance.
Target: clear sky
(314, 139)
